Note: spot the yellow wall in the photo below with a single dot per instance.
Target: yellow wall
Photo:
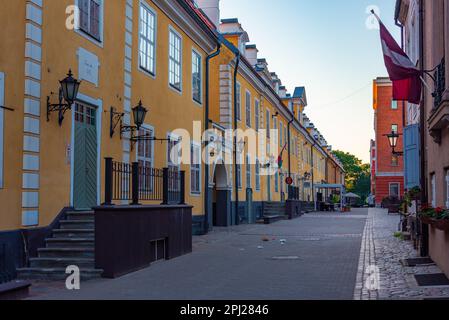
(168, 110)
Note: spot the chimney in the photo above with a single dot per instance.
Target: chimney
(251, 54)
(211, 8)
(282, 92)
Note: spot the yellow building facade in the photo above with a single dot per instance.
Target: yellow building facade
(150, 51)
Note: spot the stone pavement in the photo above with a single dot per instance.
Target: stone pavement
(318, 260)
(380, 249)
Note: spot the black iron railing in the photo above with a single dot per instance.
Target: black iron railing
(440, 83)
(293, 193)
(136, 183)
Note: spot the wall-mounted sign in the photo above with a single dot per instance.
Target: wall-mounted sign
(88, 65)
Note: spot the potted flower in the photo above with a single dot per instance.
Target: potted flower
(441, 219)
(426, 214)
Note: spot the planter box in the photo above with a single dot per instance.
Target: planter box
(426, 220)
(442, 225)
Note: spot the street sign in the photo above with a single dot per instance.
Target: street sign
(289, 181)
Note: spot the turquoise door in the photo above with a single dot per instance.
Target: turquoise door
(85, 158)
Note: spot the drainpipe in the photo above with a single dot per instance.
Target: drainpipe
(313, 173)
(289, 147)
(236, 70)
(424, 250)
(206, 127)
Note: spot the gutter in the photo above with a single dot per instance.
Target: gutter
(423, 232)
(236, 189)
(206, 127)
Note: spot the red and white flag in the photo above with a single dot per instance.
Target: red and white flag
(406, 77)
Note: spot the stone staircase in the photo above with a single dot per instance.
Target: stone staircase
(273, 211)
(72, 244)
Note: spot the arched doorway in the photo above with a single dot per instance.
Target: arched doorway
(221, 197)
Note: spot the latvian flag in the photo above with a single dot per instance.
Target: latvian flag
(403, 73)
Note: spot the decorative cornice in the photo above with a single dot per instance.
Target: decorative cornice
(187, 23)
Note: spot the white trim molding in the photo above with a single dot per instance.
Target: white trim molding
(2, 103)
(31, 114)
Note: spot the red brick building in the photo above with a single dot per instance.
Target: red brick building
(387, 169)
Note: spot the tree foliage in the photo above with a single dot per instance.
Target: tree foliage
(358, 174)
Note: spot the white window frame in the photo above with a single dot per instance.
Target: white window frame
(145, 6)
(399, 188)
(150, 128)
(268, 123)
(173, 138)
(239, 171)
(248, 172)
(394, 105)
(257, 175)
(197, 54)
(248, 99)
(447, 188)
(2, 103)
(173, 31)
(276, 182)
(433, 186)
(87, 35)
(193, 169)
(256, 115)
(281, 137)
(239, 102)
(395, 126)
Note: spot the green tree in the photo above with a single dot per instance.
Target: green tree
(358, 174)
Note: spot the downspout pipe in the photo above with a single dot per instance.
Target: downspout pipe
(236, 189)
(206, 127)
(289, 147)
(424, 250)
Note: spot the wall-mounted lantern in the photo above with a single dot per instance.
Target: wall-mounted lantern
(393, 139)
(139, 114)
(68, 91)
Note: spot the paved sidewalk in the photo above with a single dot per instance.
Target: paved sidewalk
(318, 261)
(380, 249)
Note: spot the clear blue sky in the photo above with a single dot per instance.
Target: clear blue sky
(325, 46)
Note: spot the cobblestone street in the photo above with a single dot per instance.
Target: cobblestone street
(381, 249)
(317, 260)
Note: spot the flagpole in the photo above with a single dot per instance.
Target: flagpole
(425, 83)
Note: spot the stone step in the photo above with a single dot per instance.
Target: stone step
(66, 253)
(70, 243)
(269, 219)
(74, 233)
(87, 263)
(273, 212)
(80, 215)
(55, 274)
(77, 224)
